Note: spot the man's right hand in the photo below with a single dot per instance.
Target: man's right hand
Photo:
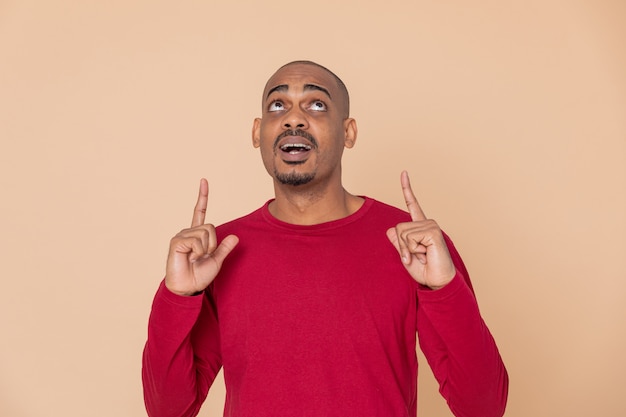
(195, 258)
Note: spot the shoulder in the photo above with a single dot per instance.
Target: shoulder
(247, 221)
(386, 212)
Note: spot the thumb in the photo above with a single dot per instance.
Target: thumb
(224, 248)
(392, 235)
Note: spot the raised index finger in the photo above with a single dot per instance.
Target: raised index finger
(199, 212)
(411, 202)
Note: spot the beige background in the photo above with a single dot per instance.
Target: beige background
(510, 116)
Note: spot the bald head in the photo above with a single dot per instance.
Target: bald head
(344, 97)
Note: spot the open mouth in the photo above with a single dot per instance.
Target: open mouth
(295, 148)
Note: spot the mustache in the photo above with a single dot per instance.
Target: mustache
(296, 132)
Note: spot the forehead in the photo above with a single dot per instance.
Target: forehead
(296, 76)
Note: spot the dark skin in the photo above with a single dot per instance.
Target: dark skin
(302, 134)
(307, 98)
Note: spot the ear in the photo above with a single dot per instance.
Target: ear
(256, 133)
(350, 132)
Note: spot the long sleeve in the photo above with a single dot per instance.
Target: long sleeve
(460, 349)
(319, 320)
(181, 357)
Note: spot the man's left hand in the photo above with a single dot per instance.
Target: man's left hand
(421, 245)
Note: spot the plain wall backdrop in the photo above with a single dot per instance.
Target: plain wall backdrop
(509, 115)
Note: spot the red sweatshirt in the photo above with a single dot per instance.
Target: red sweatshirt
(320, 321)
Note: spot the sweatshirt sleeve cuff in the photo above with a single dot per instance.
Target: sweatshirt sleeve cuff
(427, 295)
(166, 296)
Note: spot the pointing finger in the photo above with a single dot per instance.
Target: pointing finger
(411, 202)
(199, 212)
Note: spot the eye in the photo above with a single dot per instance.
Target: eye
(318, 105)
(276, 106)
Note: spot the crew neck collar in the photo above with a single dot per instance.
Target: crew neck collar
(268, 217)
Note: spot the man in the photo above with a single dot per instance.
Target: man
(312, 302)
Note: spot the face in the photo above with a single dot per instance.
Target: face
(304, 127)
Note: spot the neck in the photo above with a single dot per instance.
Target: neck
(305, 206)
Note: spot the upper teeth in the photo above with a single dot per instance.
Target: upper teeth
(291, 146)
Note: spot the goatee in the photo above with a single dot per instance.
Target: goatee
(294, 179)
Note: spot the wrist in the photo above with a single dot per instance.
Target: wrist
(181, 293)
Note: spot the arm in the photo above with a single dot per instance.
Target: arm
(452, 334)
(182, 356)
(460, 349)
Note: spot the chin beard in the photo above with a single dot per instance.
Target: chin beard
(294, 179)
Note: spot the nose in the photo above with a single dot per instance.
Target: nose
(295, 119)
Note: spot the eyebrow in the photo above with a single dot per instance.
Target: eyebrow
(307, 87)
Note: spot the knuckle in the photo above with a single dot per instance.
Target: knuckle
(401, 227)
(204, 234)
(177, 238)
(433, 225)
